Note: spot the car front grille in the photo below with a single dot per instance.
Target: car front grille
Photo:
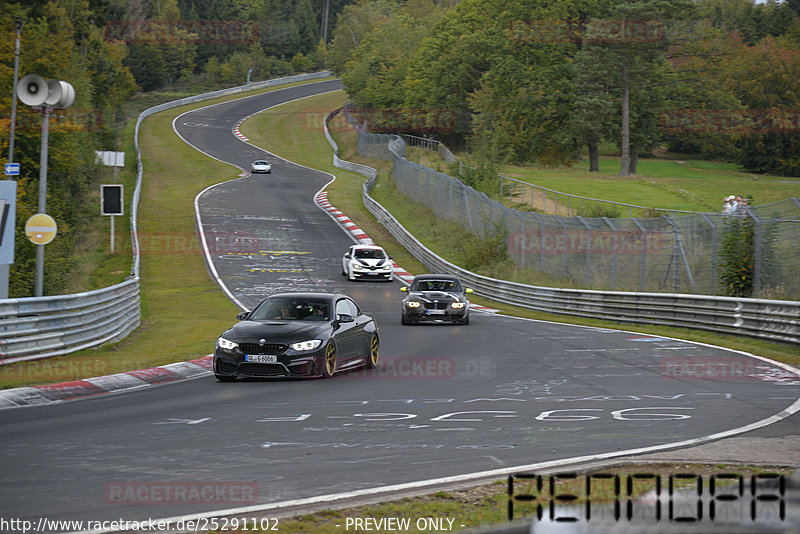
(436, 305)
(268, 348)
(262, 369)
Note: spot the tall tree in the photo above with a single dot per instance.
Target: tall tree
(766, 79)
(354, 23)
(632, 38)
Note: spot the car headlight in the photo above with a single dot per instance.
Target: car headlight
(356, 265)
(413, 304)
(386, 266)
(226, 344)
(306, 345)
(457, 305)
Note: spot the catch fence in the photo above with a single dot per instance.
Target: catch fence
(676, 252)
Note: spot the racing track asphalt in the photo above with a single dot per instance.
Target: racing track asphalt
(497, 396)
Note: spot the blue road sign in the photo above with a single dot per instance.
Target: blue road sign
(12, 169)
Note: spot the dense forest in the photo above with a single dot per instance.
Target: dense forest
(111, 50)
(532, 81)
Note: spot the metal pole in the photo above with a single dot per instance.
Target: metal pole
(324, 28)
(112, 234)
(39, 285)
(18, 22)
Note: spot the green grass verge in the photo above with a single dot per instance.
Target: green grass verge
(689, 185)
(183, 310)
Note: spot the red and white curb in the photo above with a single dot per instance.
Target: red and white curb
(102, 385)
(237, 132)
(361, 237)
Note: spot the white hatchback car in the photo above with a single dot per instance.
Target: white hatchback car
(367, 262)
(261, 167)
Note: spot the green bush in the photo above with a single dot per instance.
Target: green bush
(482, 252)
(599, 209)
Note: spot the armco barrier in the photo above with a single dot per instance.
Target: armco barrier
(768, 319)
(41, 327)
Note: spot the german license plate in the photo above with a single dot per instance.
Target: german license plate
(435, 312)
(261, 358)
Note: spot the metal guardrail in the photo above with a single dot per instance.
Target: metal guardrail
(41, 327)
(775, 320)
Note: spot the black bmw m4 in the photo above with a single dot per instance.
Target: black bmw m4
(298, 335)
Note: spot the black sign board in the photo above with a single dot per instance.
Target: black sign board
(111, 199)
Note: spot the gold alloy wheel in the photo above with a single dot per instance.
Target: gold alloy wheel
(329, 367)
(374, 345)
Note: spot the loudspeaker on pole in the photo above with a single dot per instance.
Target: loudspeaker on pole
(34, 91)
(60, 94)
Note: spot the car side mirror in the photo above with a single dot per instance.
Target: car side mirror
(242, 316)
(344, 318)
(468, 290)
(347, 255)
(404, 289)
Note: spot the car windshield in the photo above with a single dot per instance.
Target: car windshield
(291, 309)
(260, 163)
(436, 285)
(369, 254)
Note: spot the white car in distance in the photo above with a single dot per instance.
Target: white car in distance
(261, 166)
(367, 262)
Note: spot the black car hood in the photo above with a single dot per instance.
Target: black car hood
(436, 295)
(276, 331)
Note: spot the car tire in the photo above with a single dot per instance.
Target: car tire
(465, 320)
(329, 361)
(225, 378)
(405, 320)
(372, 357)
